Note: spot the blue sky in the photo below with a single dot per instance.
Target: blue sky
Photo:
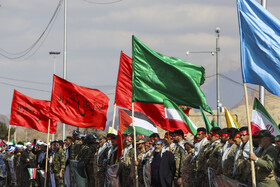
(98, 32)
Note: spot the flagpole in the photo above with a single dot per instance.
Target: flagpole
(114, 116)
(250, 136)
(47, 154)
(134, 142)
(65, 56)
(15, 134)
(261, 88)
(9, 133)
(169, 141)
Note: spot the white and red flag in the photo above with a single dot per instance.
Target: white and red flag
(261, 120)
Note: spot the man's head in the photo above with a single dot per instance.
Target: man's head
(201, 133)
(244, 134)
(128, 140)
(178, 135)
(29, 146)
(256, 138)
(171, 137)
(154, 137)
(224, 135)
(140, 144)
(277, 142)
(158, 145)
(215, 134)
(114, 140)
(265, 138)
(59, 144)
(69, 140)
(235, 136)
(102, 140)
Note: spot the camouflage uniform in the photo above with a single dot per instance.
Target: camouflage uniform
(265, 167)
(187, 170)
(229, 161)
(89, 162)
(198, 164)
(179, 156)
(140, 157)
(58, 164)
(101, 164)
(243, 166)
(112, 156)
(277, 166)
(17, 167)
(126, 168)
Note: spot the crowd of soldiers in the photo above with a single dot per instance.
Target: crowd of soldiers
(175, 160)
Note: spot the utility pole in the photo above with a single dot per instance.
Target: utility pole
(54, 54)
(215, 52)
(261, 88)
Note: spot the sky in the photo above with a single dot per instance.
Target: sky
(98, 30)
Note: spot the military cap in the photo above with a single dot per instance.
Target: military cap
(179, 133)
(256, 134)
(265, 133)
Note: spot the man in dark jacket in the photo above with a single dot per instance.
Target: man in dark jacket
(163, 166)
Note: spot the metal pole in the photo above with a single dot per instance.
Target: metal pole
(65, 55)
(218, 77)
(54, 59)
(261, 88)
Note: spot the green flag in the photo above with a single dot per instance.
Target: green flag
(14, 142)
(214, 124)
(156, 77)
(207, 123)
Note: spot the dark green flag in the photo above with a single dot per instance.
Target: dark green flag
(156, 77)
(207, 123)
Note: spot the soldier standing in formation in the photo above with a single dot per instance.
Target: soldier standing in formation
(58, 164)
(102, 156)
(179, 155)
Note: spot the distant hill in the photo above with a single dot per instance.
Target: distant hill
(4, 119)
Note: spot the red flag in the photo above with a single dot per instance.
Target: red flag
(78, 106)
(2, 143)
(120, 143)
(31, 113)
(123, 97)
(124, 120)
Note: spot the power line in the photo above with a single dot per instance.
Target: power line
(26, 81)
(26, 51)
(25, 87)
(103, 3)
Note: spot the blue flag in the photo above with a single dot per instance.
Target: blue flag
(259, 45)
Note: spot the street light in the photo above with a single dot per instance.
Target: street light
(54, 54)
(216, 51)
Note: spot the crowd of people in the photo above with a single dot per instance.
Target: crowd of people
(219, 158)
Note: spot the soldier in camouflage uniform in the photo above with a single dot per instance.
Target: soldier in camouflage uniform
(8, 171)
(101, 160)
(277, 161)
(58, 164)
(187, 169)
(27, 160)
(228, 156)
(197, 175)
(212, 154)
(19, 149)
(140, 156)
(126, 168)
(264, 161)
(242, 162)
(90, 140)
(112, 157)
(179, 156)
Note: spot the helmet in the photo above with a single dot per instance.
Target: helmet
(75, 134)
(91, 138)
(82, 136)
